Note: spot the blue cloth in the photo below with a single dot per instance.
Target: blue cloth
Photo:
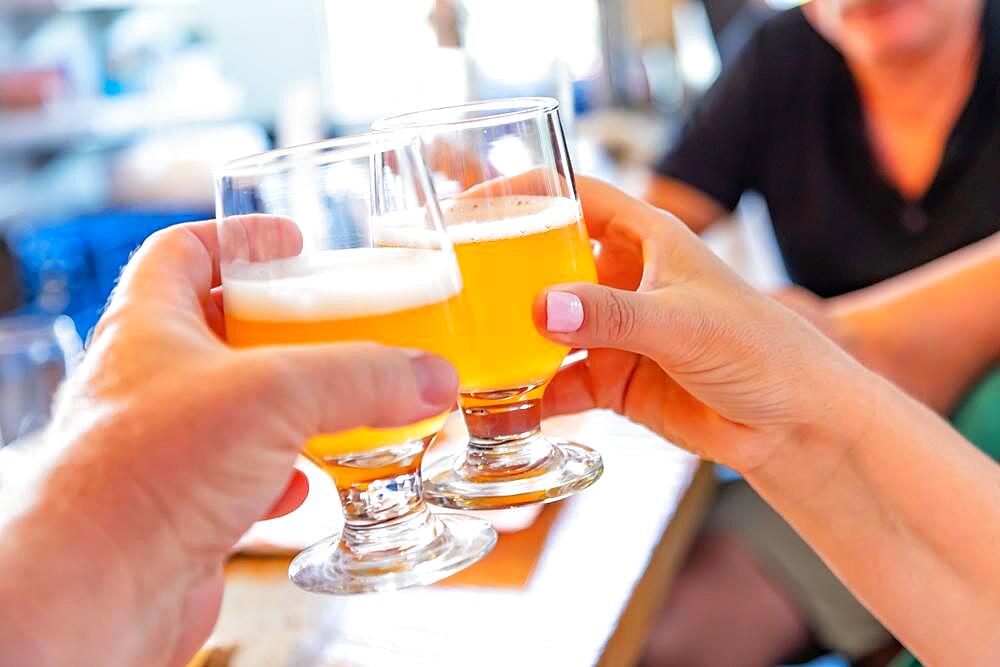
(70, 266)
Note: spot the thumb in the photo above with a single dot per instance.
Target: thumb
(594, 316)
(332, 388)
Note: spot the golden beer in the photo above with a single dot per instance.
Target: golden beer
(394, 296)
(517, 229)
(509, 249)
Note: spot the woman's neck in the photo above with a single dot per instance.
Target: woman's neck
(911, 106)
(910, 89)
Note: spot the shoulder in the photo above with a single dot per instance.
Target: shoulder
(785, 30)
(787, 43)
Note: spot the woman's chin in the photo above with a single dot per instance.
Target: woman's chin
(901, 29)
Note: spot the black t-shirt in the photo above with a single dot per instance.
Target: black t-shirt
(785, 119)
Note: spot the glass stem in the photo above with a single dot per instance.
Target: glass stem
(381, 495)
(504, 433)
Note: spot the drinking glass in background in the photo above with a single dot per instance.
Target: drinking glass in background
(343, 241)
(510, 207)
(36, 354)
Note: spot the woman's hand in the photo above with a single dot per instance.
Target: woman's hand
(682, 345)
(902, 508)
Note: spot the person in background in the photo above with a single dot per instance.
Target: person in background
(872, 130)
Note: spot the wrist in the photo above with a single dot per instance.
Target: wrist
(56, 561)
(85, 537)
(846, 400)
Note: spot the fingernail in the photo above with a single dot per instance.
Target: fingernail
(563, 312)
(436, 379)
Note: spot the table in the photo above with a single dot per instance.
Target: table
(578, 587)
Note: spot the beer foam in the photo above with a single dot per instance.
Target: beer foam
(478, 220)
(339, 284)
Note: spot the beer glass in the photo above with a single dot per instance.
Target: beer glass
(511, 210)
(343, 240)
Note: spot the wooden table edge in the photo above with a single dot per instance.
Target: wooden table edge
(626, 643)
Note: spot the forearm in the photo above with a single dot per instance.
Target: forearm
(41, 606)
(934, 330)
(908, 516)
(931, 371)
(63, 552)
(693, 207)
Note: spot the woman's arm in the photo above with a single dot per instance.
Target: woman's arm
(901, 507)
(932, 330)
(908, 516)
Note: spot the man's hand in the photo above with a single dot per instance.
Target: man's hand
(166, 446)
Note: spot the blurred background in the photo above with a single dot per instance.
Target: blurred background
(113, 113)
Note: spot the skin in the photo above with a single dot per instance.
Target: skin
(151, 469)
(902, 508)
(906, 328)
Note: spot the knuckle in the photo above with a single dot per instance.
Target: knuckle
(274, 378)
(168, 241)
(261, 372)
(618, 319)
(165, 239)
(380, 386)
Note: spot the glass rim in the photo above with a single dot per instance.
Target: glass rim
(510, 110)
(315, 153)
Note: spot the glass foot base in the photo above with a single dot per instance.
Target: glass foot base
(331, 566)
(462, 483)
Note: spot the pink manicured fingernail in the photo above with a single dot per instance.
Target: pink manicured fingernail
(564, 312)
